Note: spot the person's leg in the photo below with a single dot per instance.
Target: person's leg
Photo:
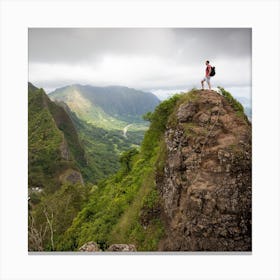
(208, 82)
(202, 83)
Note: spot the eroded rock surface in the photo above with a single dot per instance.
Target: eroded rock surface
(71, 176)
(89, 247)
(122, 248)
(206, 183)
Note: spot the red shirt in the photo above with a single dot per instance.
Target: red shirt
(208, 70)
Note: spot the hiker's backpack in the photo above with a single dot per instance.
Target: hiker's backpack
(213, 72)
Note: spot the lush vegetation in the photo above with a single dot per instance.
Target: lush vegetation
(158, 125)
(94, 151)
(237, 106)
(54, 214)
(54, 149)
(125, 207)
(102, 147)
(45, 161)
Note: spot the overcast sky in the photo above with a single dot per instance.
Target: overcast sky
(160, 60)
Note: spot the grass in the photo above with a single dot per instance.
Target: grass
(237, 106)
(124, 227)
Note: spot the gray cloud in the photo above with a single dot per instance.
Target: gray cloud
(80, 45)
(138, 57)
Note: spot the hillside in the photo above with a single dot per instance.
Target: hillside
(102, 147)
(187, 189)
(111, 107)
(56, 187)
(54, 151)
(66, 156)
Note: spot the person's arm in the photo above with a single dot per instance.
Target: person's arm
(209, 70)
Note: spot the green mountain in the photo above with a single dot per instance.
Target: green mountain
(57, 181)
(187, 189)
(55, 153)
(65, 156)
(108, 120)
(112, 107)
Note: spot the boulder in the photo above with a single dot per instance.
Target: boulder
(89, 247)
(122, 248)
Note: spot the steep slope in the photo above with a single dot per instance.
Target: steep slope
(55, 184)
(107, 107)
(102, 147)
(115, 207)
(54, 151)
(187, 189)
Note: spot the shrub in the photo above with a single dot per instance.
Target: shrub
(237, 106)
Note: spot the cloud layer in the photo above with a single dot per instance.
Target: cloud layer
(143, 58)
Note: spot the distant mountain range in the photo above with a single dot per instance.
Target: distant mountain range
(111, 107)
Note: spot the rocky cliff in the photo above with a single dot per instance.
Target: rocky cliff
(205, 184)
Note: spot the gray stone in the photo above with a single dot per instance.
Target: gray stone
(89, 247)
(122, 248)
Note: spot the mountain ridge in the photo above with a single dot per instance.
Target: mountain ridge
(112, 107)
(54, 148)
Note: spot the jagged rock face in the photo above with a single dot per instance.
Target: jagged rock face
(206, 184)
(64, 150)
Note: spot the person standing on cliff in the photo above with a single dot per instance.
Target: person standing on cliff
(207, 75)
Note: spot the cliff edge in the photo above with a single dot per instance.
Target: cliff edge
(205, 182)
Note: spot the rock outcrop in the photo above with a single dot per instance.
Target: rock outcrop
(206, 183)
(64, 149)
(71, 176)
(93, 247)
(89, 247)
(122, 248)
